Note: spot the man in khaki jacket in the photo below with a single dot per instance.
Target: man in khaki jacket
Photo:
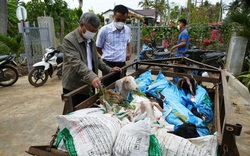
(81, 60)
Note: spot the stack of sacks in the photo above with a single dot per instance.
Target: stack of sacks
(90, 132)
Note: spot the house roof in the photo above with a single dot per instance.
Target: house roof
(148, 12)
(107, 11)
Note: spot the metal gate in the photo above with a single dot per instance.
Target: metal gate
(135, 38)
(36, 39)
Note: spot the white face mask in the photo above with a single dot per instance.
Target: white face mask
(88, 35)
(119, 25)
(178, 27)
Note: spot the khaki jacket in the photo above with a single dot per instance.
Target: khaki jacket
(75, 70)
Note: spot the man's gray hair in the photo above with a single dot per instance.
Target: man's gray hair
(90, 18)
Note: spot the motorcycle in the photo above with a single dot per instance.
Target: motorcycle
(8, 72)
(52, 60)
(209, 57)
(152, 52)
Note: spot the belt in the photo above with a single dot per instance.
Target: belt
(119, 64)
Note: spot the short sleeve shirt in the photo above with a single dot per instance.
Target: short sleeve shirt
(113, 42)
(183, 36)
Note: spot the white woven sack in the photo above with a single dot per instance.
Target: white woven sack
(172, 145)
(133, 139)
(92, 135)
(80, 113)
(87, 111)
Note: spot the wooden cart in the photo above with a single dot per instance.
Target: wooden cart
(217, 86)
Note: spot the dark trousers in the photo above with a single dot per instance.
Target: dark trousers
(77, 98)
(115, 77)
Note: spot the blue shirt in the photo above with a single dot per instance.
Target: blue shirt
(113, 42)
(183, 36)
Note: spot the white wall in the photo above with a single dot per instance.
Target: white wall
(108, 15)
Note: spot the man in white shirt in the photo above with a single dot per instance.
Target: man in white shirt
(113, 42)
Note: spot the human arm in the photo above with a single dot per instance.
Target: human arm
(129, 53)
(99, 50)
(181, 44)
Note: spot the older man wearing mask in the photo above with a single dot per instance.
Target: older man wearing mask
(81, 60)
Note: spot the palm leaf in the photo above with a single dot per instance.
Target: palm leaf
(13, 43)
(243, 20)
(245, 76)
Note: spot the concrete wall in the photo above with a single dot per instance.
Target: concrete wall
(238, 86)
(108, 15)
(48, 22)
(235, 55)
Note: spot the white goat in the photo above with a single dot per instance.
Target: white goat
(146, 108)
(125, 85)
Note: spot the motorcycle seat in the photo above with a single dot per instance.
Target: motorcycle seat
(59, 58)
(159, 47)
(162, 53)
(3, 57)
(216, 54)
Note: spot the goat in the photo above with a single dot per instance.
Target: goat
(125, 85)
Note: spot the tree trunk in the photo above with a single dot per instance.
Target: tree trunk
(188, 11)
(3, 17)
(62, 29)
(168, 13)
(221, 12)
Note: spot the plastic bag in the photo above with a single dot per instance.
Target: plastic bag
(144, 80)
(158, 85)
(202, 103)
(177, 114)
(173, 94)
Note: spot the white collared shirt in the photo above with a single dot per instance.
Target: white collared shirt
(89, 55)
(113, 42)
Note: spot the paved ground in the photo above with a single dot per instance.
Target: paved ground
(241, 109)
(27, 116)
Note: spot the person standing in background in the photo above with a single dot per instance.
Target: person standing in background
(182, 44)
(113, 42)
(81, 60)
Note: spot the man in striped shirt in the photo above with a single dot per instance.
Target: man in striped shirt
(113, 42)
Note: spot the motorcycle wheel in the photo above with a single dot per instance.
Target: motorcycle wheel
(37, 76)
(8, 75)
